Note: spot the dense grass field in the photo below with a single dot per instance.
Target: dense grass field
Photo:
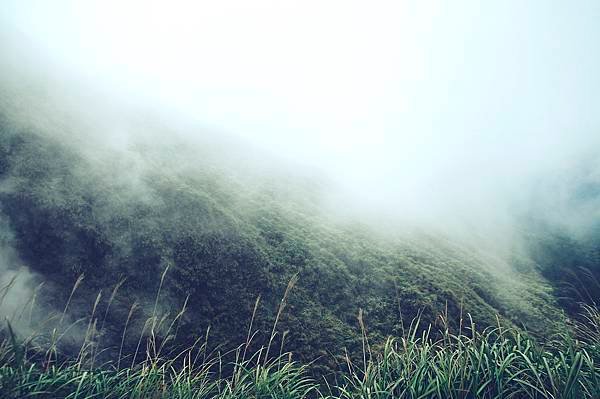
(425, 361)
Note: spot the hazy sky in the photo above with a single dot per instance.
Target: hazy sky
(399, 98)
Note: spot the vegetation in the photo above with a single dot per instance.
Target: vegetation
(493, 363)
(114, 243)
(228, 237)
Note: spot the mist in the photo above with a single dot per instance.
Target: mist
(448, 117)
(402, 158)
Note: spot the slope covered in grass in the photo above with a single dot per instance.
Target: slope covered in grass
(227, 234)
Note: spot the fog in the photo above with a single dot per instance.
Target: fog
(459, 122)
(446, 113)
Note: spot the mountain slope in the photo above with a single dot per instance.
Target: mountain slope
(227, 237)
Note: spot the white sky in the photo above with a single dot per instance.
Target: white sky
(404, 95)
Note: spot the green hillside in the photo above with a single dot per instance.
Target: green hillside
(228, 237)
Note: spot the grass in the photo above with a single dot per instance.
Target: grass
(495, 363)
(426, 361)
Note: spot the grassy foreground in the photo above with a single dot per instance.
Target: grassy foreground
(493, 363)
